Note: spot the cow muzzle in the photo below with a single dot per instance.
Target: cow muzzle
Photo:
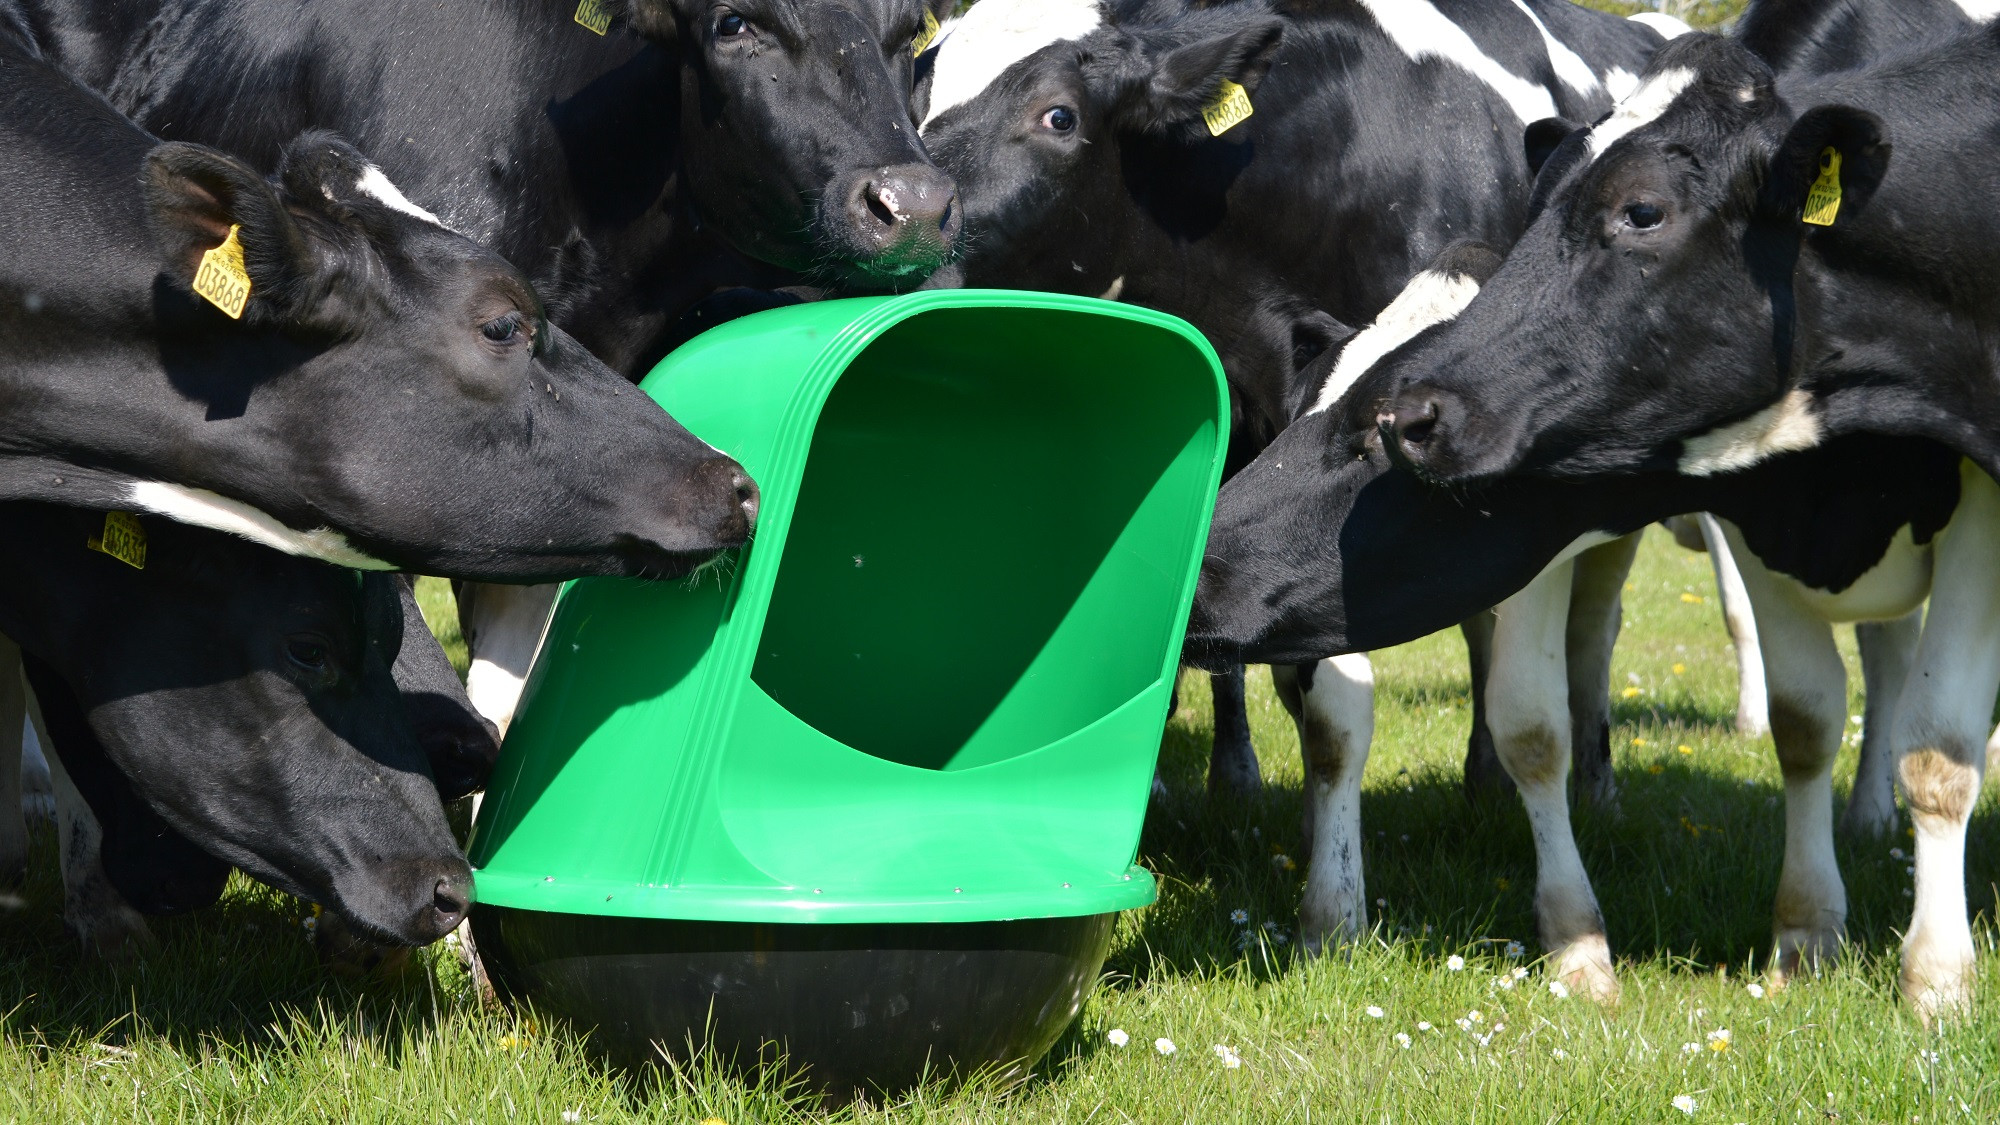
(892, 224)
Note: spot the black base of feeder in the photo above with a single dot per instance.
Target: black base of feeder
(856, 1009)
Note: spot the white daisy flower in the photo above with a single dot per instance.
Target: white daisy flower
(1164, 1046)
(1684, 1103)
(1117, 1037)
(1559, 990)
(1454, 962)
(1403, 1040)
(1230, 1059)
(1374, 1013)
(1755, 990)
(1240, 916)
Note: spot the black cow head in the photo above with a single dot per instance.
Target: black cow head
(1648, 318)
(391, 379)
(248, 698)
(797, 140)
(1048, 115)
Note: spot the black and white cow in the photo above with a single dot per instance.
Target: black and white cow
(248, 699)
(1829, 229)
(392, 395)
(693, 148)
(1379, 133)
(1321, 546)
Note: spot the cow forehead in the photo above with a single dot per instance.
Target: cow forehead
(996, 34)
(1643, 106)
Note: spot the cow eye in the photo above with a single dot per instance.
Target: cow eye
(502, 330)
(1061, 119)
(731, 25)
(1644, 216)
(308, 652)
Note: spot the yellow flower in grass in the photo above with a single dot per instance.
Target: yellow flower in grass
(1685, 749)
(1719, 1040)
(1632, 693)
(1693, 599)
(1638, 742)
(1656, 768)
(1680, 669)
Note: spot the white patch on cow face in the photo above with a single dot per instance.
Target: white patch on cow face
(1782, 427)
(995, 35)
(1666, 25)
(1642, 107)
(1981, 10)
(376, 184)
(1420, 31)
(1430, 298)
(1619, 83)
(1112, 291)
(203, 508)
(1569, 66)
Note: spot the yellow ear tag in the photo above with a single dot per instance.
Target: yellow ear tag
(222, 278)
(927, 36)
(124, 539)
(1823, 200)
(595, 15)
(1231, 104)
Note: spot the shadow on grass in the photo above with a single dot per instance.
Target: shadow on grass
(234, 975)
(1685, 869)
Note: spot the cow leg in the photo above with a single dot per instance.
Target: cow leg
(1887, 650)
(503, 627)
(1232, 761)
(1808, 710)
(13, 810)
(93, 909)
(1752, 717)
(1484, 776)
(1941, 726)
(1333, 703)
(1596, 611)
(1527, 703)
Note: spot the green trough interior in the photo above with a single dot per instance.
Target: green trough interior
(932, 689)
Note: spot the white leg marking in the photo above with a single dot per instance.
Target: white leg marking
(503, 627)
(1527, 709)
(1596, 612)
(996, 34)
(1782, 427)
(203, 508)
(1941, 727)
(1752, 715)
(1643, 106)
(1420, 31)
(1808, 710)
(1888, 650)
(1336, 726)
(92, 909)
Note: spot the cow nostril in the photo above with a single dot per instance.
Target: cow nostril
(872, 198)
(747, 497)
(1416, 428)
(449, 900)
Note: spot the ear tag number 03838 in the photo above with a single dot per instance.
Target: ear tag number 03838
(222, 279)
(1823, 198)
(595, 15)
(926, 36)
(1231, 105)
(124, 539)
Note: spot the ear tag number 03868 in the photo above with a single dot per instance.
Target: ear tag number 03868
(222, 278)
(925, 36)
(124, 539)
(1823, 199)
(595, 15)
(1231, 105)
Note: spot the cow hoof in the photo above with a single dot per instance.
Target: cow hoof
(119, 937)
(1939, 987)
(1584, 967)
(1803, 951)
(1233, 780)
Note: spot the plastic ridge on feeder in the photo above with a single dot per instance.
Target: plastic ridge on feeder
(929, 694)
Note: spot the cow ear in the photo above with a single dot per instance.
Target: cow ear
(1187, 73)
(196, 196)
(1802, 162)
(1542, 139)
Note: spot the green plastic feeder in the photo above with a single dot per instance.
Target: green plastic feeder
(871, 788)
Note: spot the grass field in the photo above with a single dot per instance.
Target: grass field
(231, 1020)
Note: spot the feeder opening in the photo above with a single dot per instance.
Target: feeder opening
(994, 505)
